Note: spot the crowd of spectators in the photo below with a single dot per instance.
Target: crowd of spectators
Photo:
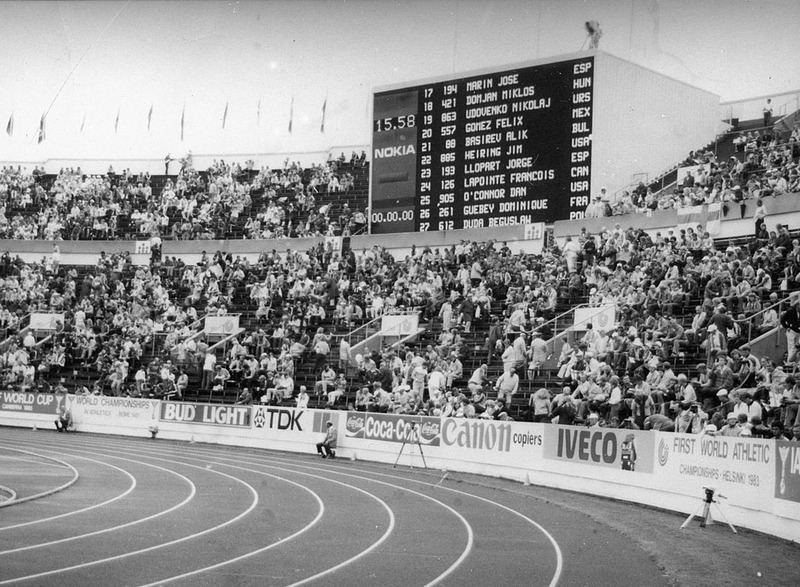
(623, 376)
(765, 165)
(213, 204)
(136, 329)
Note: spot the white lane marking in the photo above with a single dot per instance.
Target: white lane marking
(330, 570)
(86, 509)
(156, 546)
(25, 460)
(292, 536)
(363, 553)
(189, 498)
(442, 576)
(559, 557)
(72, 481)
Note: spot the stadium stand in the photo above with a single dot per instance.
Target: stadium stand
(499, 337)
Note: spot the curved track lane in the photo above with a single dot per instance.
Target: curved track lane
(264, 518)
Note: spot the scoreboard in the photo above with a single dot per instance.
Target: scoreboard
(503, 148)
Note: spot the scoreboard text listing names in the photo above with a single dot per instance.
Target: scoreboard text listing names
(498, 149)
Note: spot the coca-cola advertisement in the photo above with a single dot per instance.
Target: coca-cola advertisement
(393, 427)
(355, 425)
(430, 430)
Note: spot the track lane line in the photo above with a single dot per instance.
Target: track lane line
(69, 483)
(154, 547)
(86, 509)
(192, 493)
(328, 571)
(381, 540)
(559, 556)
(470, 534)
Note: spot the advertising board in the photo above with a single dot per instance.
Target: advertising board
(30, 403)
(739, 468)
(612, 448)
(393, 428)
(210, 414)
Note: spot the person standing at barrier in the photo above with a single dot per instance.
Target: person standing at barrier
(209, 363)
(790, 320)
(790, 402)
(327, 446)
(759, 215)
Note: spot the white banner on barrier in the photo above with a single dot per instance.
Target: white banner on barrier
(292, 424)
(517, 444)
(399, 324)
(48, 321)
(601, 317)
(333, 243)
(741, 469)
(609, 448)
(112, 412)
(221, 325)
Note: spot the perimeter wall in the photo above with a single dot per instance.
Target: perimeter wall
(759, 478)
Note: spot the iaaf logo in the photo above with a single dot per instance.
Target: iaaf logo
(663, 453)
(281, 419)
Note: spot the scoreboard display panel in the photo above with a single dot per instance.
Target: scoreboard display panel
(502, 148)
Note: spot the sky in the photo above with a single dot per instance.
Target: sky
(97, 68)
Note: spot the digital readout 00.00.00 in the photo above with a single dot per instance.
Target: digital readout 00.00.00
(393, 216)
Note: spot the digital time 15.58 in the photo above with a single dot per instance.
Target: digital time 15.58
(394, 123)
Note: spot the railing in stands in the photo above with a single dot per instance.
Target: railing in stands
(571, 328)
(17, 326)
(365, 332)
(196, 329)
(750, 321)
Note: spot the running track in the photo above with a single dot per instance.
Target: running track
(153, 512)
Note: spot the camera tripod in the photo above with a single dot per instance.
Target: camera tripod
(413, 437)
(704, 511)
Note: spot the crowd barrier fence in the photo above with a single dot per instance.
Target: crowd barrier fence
(760, 478)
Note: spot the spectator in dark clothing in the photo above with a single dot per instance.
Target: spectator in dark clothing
(723, 322)
(790, 320)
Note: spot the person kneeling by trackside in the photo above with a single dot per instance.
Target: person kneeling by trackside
(325, 448)
(64, 420)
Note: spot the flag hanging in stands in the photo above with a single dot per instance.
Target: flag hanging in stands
(706, 217)
(41, 130)
(183, 118)
(324, 106)
(116, 122)
(10, 125)
(149, 117)
(225, 115)
(291, 114)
